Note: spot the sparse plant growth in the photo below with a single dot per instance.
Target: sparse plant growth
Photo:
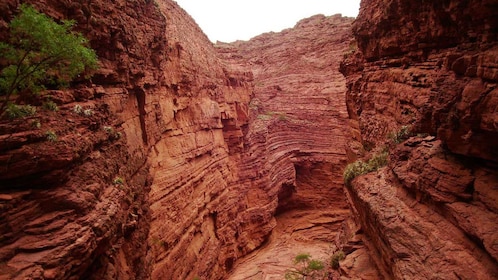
(359, 167)
(159, 242)
(282, 116)
(401, 135)
(306, 268)
(108, 129)
(269, 115)
(36, 124)
(264, 117)
(40, 52)
(336, 258)
(353, 47)
(50, 106)
(51, 136)
(118, 181)
(78, 109)
(14, 111)
(88, 112)
(111, 132)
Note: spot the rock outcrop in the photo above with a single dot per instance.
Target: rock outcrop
(295, 139)
(181, 159)
(132, 187)
(429, 67)
(78, 207)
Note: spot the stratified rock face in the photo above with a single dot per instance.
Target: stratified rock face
(132, 187)
(429, 66)
(77, 207)
(194, 198)
(294, 156)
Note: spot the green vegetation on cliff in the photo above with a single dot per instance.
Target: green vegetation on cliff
(39, 53)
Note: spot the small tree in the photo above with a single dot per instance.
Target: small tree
(40, 52)
(306, 268)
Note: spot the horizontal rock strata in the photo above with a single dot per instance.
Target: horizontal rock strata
(427, 68)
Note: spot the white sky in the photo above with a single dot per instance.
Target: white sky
(231, 20)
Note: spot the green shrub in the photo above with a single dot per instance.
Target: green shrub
(51, 136)
(401, 135)
(378, 160)
(336, 258)
(19, 111)
(359, 167)
(50, 106)
(305, 267)
(40, 52)
(354, 170)
(118, 181)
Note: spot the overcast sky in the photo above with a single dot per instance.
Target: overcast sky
(230, 20)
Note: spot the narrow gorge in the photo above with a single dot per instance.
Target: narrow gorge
(224, 161)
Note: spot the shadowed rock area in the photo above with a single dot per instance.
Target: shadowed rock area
(299, 115)
(431, 68)
(225, 161)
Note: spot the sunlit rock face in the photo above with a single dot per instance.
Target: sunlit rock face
(428, 67)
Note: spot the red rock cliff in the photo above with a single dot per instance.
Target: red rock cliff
(429, 66)
(294, 156)
(132, 188)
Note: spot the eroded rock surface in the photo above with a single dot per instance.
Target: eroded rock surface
(131, 188)
(296, 139)
(427, 67)
(192, 156)
(78, 207)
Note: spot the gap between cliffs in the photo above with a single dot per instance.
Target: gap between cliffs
(296, 138)
(215, 161)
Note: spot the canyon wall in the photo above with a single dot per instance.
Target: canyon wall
(132, 187)
(295, 140)
(188, 156)
(429, 67)
(178, 161)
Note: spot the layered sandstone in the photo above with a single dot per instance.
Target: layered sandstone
(194, 156)
(432, 68)
(78, 207)
(296, 141)
(130, 190)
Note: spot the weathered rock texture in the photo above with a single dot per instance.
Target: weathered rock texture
(65, 214)
(295, 142)
(164, 115)
(190, 157)
(430, 66)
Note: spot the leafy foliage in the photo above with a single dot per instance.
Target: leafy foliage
(19, 111)
(306, 268)
(359, 167)
(40, 52)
